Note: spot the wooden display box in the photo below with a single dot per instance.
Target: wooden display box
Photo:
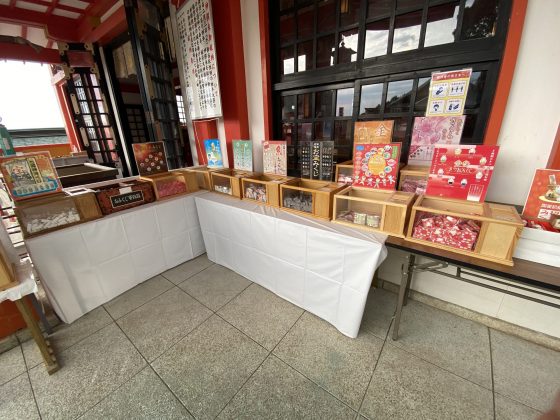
(391, 207)
(173, 183)
(346, 170)
(117, 196)
(228, 181)
(47, 214)
(314, 198)
(202, 175)
(500, 226)
(413, 172)
(8, 276)
(269, 185)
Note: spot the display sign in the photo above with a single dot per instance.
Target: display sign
(126, 199)
(275, 158)
(30, 175)
(461, 171)
(243, 155)
(213, 152)
(198, 55)
(429, 131)
(376, 165)
(316, 160)
(373, 132)
(543, 201)
(448, 93)
(150, 158)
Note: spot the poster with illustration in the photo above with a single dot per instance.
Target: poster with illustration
(461, 171)
(376, 165)
(150, 158)
(213, 153)
(243, 155)
(543, 201)
(275, 158)
(373, 132)
(429, 131)
(30, 175)
(448, 93)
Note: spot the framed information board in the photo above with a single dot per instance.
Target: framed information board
(195, 29)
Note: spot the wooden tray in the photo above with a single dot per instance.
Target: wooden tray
(229, 180)
(344, 168)
(500, 226)
(414, 172)
(271, 185)
(185, 183)
(315, 197)
(392, 207)
(202, 175)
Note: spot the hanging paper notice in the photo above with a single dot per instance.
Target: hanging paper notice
(150, 158)
(275, 158)
(461, 172)
(243, 155)
(448, 93)
(376, 165)
(543, 201)
(30, 175)
(213, 153)
(429, 131)
(198, 56)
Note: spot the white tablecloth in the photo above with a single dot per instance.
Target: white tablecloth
(84, 266)
(322, 267)
(26, 284)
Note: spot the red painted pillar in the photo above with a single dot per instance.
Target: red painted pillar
(231, 69)
(204, 129)
(67, 115)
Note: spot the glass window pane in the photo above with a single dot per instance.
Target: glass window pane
(399, 129)
(286, 4)
(378, 8)
(442, 22)
(422, 93)
(370, 102)
(377, 37)
(325, 51)
(304, 106)
(305, 56)
(349, 12)
(323, 130)
(343, 132)
(326, 15)
(344, 101)
(479, 19)
(407, 31)
(409, 4)
(287, 60)
(288, 107)
(287, 28)
(476, 88)
(468, 131)
(287, 132)
(324, 103)
(305, 18)
(398, 96)
(305, 132)
(348, 46)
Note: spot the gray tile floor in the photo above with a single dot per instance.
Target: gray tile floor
(200, 341)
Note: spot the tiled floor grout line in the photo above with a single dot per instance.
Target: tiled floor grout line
(374, 369)
(492, 371)
(30, 383)
(538, 410)
(148, 364)
(438, 366)
(245, 288)
(258, 367)
(189, 277)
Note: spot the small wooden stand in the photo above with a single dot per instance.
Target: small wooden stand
(188, 179)
(202, 173)
(344, 168)
(320, 192)
(271, 184)
(393, 207)
(413, 171)
(500, 228)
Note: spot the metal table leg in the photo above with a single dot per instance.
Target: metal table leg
(44, 347)
(406, 276)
